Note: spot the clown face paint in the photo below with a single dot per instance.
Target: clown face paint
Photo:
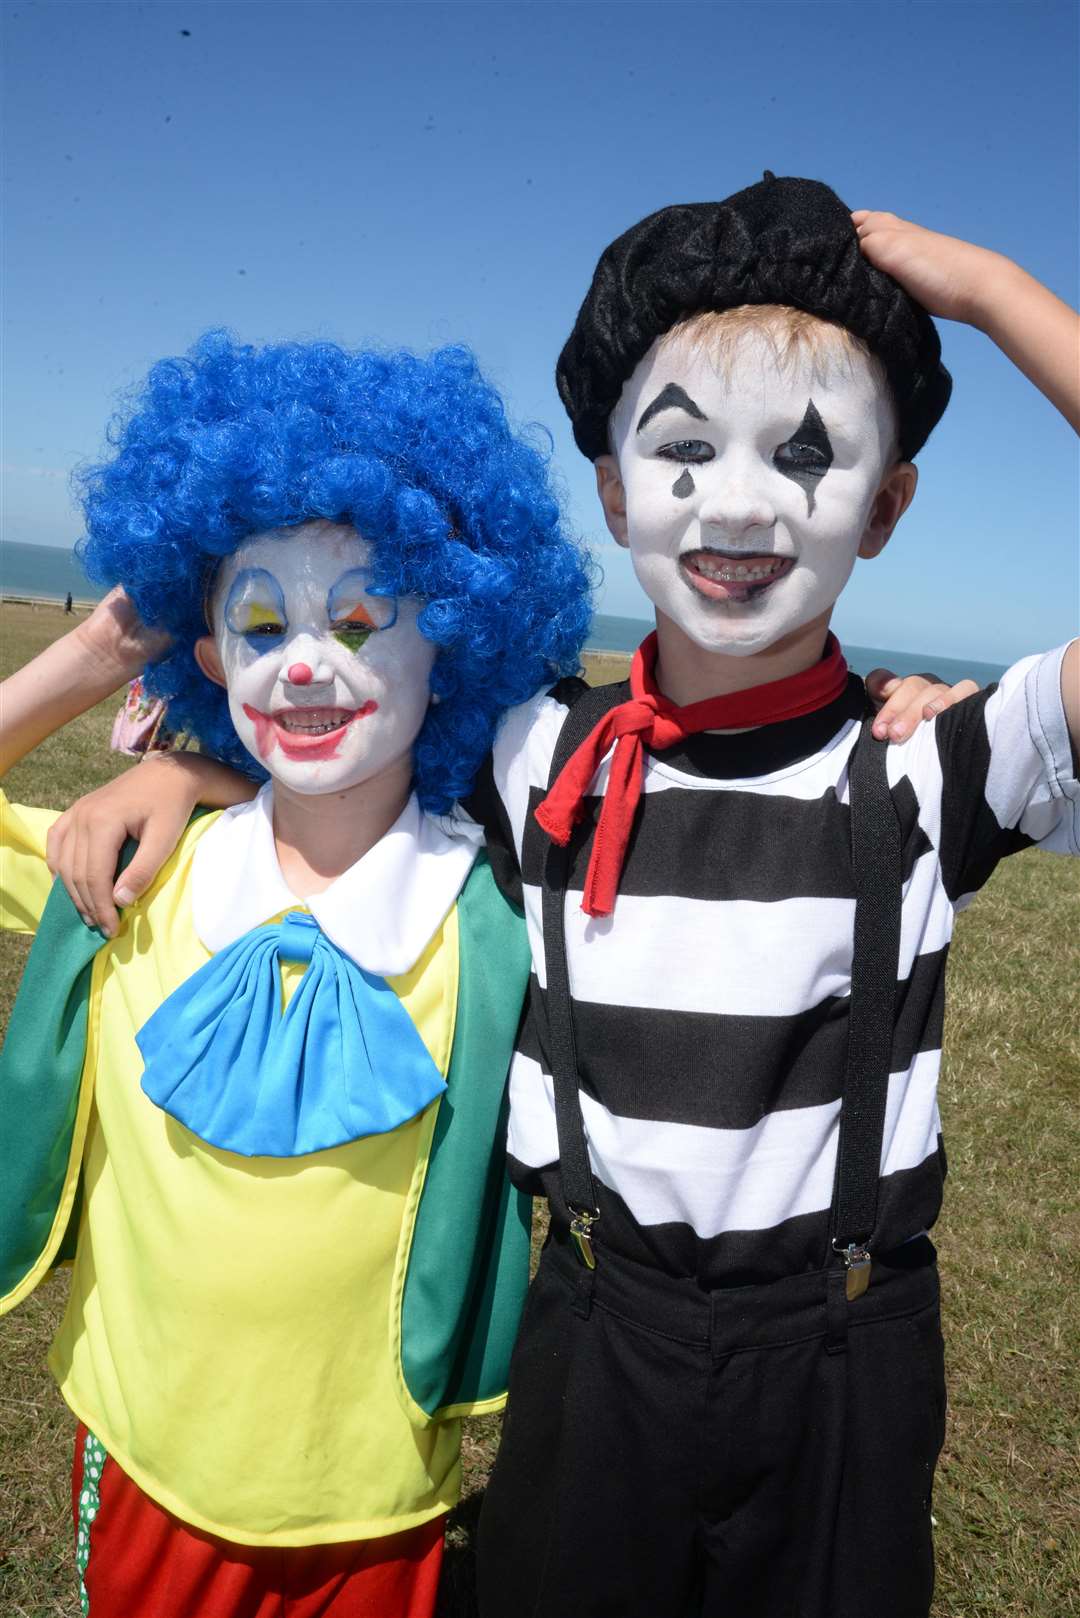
(327, 684)
(747, 495)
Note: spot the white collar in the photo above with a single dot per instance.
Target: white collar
(383, 911)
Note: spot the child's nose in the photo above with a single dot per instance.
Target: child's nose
(732, 502)
(306, 664)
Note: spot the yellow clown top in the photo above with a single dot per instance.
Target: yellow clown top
(228, 1333)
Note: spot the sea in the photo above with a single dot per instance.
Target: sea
(610, 634)
(46, 572)
(49, 572)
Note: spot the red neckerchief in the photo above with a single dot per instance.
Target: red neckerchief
(650, 720)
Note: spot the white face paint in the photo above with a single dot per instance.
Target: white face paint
(327, 684)
(747, 496)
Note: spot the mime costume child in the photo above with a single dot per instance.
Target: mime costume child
(728, 1396)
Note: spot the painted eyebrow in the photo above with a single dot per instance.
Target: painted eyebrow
(812, 430)
(356, 581)
(253, 588)
(671, 397)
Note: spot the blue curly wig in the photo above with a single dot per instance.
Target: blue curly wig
(416, 454)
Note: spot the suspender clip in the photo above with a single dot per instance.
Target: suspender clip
(581, 1223)
(857, 1263)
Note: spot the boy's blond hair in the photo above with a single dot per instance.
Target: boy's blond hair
(791, 334)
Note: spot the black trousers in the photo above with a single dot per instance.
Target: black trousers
(754, 1452)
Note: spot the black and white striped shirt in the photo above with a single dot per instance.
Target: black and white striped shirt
(711, 1008)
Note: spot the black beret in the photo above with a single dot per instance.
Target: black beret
(785, 241)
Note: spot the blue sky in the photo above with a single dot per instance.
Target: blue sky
(415, 173)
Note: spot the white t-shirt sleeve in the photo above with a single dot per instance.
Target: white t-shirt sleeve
(1008, 775)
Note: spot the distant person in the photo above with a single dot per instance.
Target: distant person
(67, 602)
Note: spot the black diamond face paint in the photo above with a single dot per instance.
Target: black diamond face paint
(671, 397)
(683, 487)
(807, 455)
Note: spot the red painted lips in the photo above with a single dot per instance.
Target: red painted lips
(301, 733)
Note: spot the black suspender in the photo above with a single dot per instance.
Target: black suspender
(576, 1176)
(877, 863)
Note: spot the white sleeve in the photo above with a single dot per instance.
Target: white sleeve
(1008, 775)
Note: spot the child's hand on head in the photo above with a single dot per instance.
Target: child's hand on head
(949, 277)
(115, 637)
(904, 704)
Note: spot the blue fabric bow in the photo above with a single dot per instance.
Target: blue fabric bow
(344, 1060)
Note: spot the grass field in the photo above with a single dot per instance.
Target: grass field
(1008, 1497)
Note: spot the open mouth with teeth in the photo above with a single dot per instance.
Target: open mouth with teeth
(731, 576)
(305, 734)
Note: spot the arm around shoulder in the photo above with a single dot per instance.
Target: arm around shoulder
(1030, 324)
(151, 803)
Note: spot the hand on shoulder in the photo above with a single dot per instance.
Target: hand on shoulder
(904, 703)
(151, 803)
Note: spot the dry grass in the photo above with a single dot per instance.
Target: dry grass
(1009, 1502)
(1008, 1499)
(603, 668)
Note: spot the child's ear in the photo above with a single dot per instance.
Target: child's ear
(896, 493)
(209, 659)
(609, 486)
